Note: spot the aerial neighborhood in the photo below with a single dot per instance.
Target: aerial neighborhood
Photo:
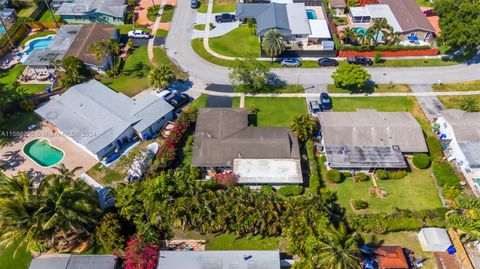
(221, 134)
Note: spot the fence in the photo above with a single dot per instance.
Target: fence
(38, 26)
(462, 253)
(398, 53)
(17, 31)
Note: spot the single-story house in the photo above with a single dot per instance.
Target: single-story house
(302, 27)
(228, 259)
(73, 40)
(367, 139)
(67, 261)
(90, 11)
(434, 239)
(460, 138)
(223, 141)
(338, 6)
(102, 121)
(405, 17)
(391, 257)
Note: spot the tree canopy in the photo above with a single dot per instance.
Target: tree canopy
(273, 43)
(350, 76)
(161, 76)
(250, 74)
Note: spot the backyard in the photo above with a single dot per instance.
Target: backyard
(106, 176)
(276, 111)
(237, 43)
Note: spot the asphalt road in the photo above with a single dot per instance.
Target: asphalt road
(178, 45)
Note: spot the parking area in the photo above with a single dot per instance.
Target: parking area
(219, 29)
(309, 88)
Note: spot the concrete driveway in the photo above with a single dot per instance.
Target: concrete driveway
(430, 105)
(219, 28)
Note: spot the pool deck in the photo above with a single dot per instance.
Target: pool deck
(13, 154)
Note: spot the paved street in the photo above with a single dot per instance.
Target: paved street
(178, 46)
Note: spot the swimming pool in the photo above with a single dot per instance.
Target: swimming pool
(363, 32)
(34, 44)
(311, 14)
(478, 181)
(42, 153)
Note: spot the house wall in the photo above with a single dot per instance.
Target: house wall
(91, 18)
(422, 35)
(338, 10)
(158, 125)
(128, 133)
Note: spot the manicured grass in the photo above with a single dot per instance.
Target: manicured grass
(424, 3)
(200, 27)
(379, 103)
(237, 43)
(228, 242)
(200, 102)
(413, 63)
(26, 12)
(407, 240)
(134, 77)
(105, 175)
(457, 87)
(18, 121)
(21, 261)
(276, 111)
(219, 6)
(287, 89)
(373, 88)
(37, 35)
(453, 102)
(236, 102)
(153, 12)
(167, 13)
(14, 92)
(197, 45)
(123, 29)
(415, 191)
(161, 33)
(47, 17)
(161, 58)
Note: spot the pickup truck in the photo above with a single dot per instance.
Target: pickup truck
(359, 60)
(225, 17)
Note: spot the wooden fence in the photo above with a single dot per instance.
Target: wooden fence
(462, 253)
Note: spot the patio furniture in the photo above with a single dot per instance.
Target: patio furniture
(43, 75)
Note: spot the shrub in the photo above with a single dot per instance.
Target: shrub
(27, 105)
(109, 234)
(377, 57)
(266, 189)
(397, 174)
(381, 174)
(445, 175)
(334, 176)
(451, 192)
(434, 148)
(140, 254)
(421, 160)
(188, 144)
(290, 190)
(359, 204)
(346, 174)
(314, 183)
(226, 179)
(361, 177)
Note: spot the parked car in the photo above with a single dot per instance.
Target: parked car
(195, 3)
(225, 17)
(325, 101)
(178, 100)
(138, 34)
(359, 60)
(164, 93)
(295, 62)
(327, 62)
(429, 13)
(314, 107)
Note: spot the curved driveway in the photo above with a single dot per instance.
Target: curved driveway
(178, 45)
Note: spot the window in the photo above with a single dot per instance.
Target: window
(413, 34)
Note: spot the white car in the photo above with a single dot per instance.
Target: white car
(138, 34)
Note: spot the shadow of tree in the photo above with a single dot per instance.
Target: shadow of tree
(13, 158)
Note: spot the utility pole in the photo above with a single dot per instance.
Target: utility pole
(53, 14)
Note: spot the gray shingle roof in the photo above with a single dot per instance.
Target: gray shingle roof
(368, 127)
(115, 8)
(409, 15)
(222, 135)
(93, 108)
(267, 16)
(466, 125)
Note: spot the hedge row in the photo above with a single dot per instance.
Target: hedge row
(445, 175)
(399, 220)
(315, 167)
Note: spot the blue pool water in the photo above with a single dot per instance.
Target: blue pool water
(363, 31)
(311, 15)
(478, 181)
(36, 44)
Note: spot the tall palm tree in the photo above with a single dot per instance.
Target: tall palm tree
(392, 37)
(303, 126)
(64, 172)
(379, 25)
(161, 76)
(273, 43)
(106, 48)
(349, 34)
(335, 249)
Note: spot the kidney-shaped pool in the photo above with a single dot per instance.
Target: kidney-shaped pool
(42, 153)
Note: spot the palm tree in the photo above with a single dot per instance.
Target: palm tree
(131, 16)
(379, 25)
(161, 76)
(303, 126)
(273, 43)
(469, 104)
(53, 14)
(349, 34)
(335, 249)
(74, 70)
(64, 172)
(106, 48)
(392, 37)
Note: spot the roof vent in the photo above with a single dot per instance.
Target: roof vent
(209, 135)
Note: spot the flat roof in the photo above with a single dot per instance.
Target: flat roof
(471, 152)
(384, 11)
(268, 171)
(365, 157)
(238, 259)
(359, 12)
(297, 19)
(319, 29)
(51, 261)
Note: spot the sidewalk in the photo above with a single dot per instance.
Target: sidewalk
(151, 41)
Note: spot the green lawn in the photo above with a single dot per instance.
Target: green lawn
(424, 3)
(373, 88)
(379, 103)
(237, 43)
(153, 12)
(21, 260)
(219, 6)
(236, 102)
(47, 17)
(26, 12)
(105, 175)
(161, 33)
(37, 35)
(276, 111)
(456, 87)
(197, 45)
(416, 191)
(18, 121)
(134, 77)
(200, 27)
(453, 102)
(287, 89)
(161, 58)
(413, 63)
(405, 239)
(167, 13)
(228, 242)
(200, 102)
(13, 92)
(123, 29)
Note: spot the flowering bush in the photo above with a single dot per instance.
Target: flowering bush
(226, 179)
(141, 255)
